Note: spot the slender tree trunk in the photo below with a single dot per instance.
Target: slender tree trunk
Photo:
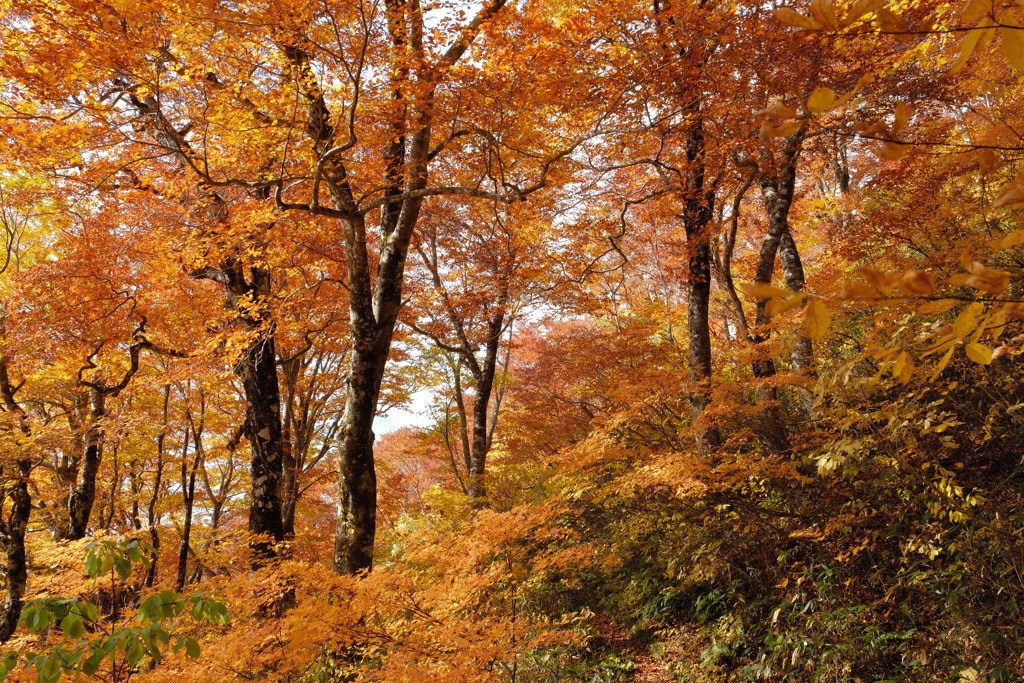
(460, 404)
(777, 185)
(698, 210)
(484, 386)
(803, 350)
(83, 492)
(12, 529)
(189, 496)
(289, 469)
(154, 535)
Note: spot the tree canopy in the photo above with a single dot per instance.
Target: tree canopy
(709, 315)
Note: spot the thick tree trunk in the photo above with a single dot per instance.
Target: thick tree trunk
(12, 535)
(357, 505)
(258, 370)
(699, 208)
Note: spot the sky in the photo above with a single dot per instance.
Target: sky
(396, 418)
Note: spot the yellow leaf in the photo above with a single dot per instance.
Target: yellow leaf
(890, 22)
(997, 322)
(820, 100)
(971, 43)
(903, 114)
(979, 353)
(825, 13)
(1012, 193)
(817, 320)
(763, 290)
(1012, 40)
(861, 7)
(894, 151)
(976, 10)
(783, 131)
(943, 362)
(1014, 239)
(791, 17)
(780, 305)
(866, 79)
(982, 326)
(936, 307)
(967, 320)
(777, 110)
(903, 368)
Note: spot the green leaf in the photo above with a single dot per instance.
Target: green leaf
(135, 653)
(93, 566)
(72, 626)
(191, 648)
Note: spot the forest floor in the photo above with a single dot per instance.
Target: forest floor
(646, 667)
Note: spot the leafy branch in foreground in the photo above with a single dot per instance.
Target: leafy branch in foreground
(86, 640)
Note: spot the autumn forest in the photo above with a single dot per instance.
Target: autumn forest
(521, 341)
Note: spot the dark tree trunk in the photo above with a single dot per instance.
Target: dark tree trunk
(357, 506)
(484, 376)
(12, 535)
(83, 491)
(12, 529)
(189, 495)
(698, 210)
(258, 370)
(154, 535)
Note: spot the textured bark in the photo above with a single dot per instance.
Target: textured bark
(777, 183)
(374, 303)
(12, 529)
(483, 373)
(698, 210)
(188, 490)
(803, 351)
(356, 526)
(151, 518)
(258, 370)
(83, 491)
(12, 535)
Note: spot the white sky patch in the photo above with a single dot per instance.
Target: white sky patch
(417, 415)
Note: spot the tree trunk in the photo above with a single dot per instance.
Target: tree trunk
(803, 351)
(12, 529)
(777, 185)
(357, 505)
(83, 492)
(484, 376)
(698, 210)
(258, 370)
(12, 535)
(289, 439)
